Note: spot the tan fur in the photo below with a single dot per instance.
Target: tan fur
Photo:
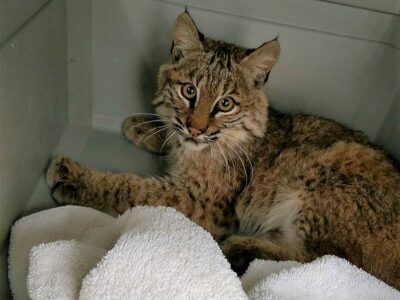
(264, 184)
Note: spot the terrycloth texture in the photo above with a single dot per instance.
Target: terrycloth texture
(162, 255)
(61, 223)
(156, 253)
(260, 269)
(328, 277)
(56, 269)
(150, 253)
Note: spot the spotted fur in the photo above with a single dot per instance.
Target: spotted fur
(264, 184)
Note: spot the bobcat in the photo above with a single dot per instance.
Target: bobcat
(264, 184)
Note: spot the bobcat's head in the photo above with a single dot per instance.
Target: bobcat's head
(213, 91)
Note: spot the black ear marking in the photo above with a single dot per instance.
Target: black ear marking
(201, 35)
(266, 77)
(176, 54)
(258, 80)
(187, 36)
(249, 51)
(261, 79)
(258, 62)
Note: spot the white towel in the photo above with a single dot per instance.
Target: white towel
(328, 277)
(150, 253)
(57, 269)
(156, 253)
(162, 255)
(61, 223)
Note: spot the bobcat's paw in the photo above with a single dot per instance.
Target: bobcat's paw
(62, 177)
(144, 132)
(134, 128)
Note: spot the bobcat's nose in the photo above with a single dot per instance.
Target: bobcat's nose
(194, 132)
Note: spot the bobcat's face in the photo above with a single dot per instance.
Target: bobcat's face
(213, 95)
(211, 101)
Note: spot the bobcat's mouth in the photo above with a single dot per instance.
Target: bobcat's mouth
(192, 140)
(188, 141)
(191, 143)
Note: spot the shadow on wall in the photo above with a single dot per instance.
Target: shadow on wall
(157, 39)
(157, 55)
(389, 133)
(379, 92)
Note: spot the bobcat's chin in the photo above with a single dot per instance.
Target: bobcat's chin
(191, 144)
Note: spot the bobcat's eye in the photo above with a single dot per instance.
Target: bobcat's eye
(189, 91)
(225, 104)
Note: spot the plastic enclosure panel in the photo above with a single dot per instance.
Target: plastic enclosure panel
(390, 6)
(33, 109)
(21, 11)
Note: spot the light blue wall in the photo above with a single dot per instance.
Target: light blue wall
(389, 134)
(33, 109)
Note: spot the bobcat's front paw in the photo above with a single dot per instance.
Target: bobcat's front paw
(63, 177)
(145, 132)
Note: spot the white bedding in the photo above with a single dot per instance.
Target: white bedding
(75, 252)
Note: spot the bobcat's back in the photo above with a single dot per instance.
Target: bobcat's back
(320, 188)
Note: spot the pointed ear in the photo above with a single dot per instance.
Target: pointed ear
(186, 37)
(260, 61)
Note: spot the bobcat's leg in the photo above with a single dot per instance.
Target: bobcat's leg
(147, 132)
(72, 183)
(241, 250)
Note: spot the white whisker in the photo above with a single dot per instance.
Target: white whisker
(146, 122)
(165, 127)
(226, 162)
(143, 137)
(232, 160)
(149, 114)
(241, 161)
(166, 140)
(248, 158)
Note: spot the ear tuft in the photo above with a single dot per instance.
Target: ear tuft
(259, 62)
(186, 36)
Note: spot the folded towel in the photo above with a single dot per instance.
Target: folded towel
(162, 255)
(61, 223)
(147, 253)
(57, 269)
(75, 252)
(328, 277)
